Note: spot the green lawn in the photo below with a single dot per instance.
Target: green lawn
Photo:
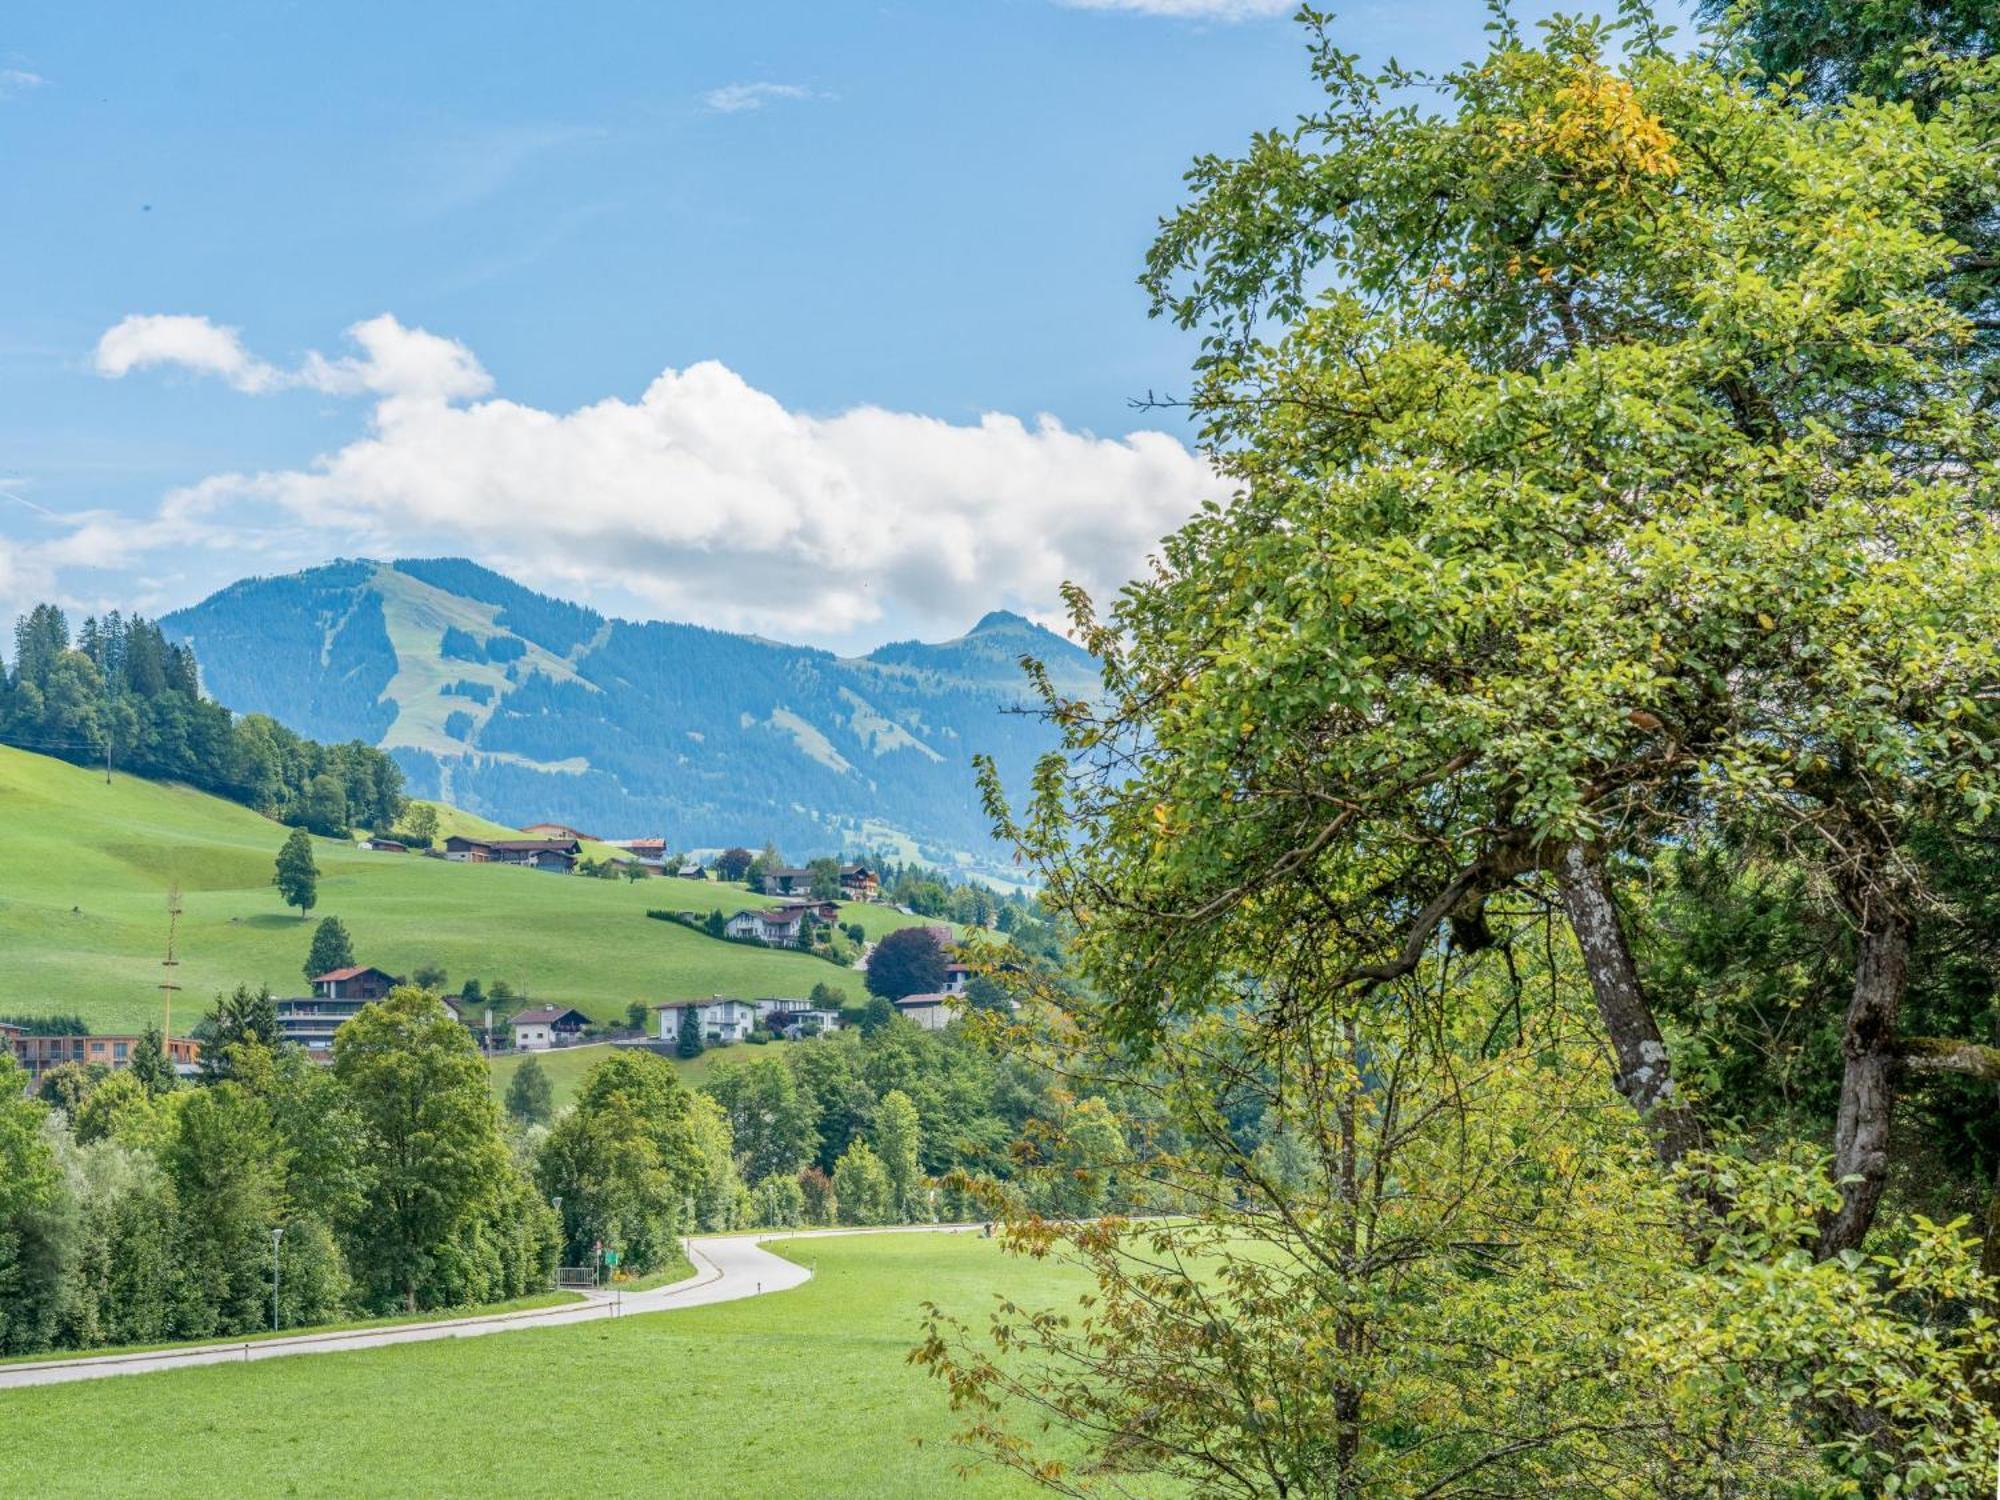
(84, 870)
(795, 1394)
(567, 1065)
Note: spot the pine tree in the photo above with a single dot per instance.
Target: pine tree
(688, 1044)
(531, 1097)
(332, 948)
(150, 1064)
(297, 877)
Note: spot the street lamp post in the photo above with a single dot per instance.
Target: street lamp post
(277, 1233)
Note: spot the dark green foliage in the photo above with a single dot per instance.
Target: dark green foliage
(478, 692)
(49, 1025)
(553, 624)
(688, 1042)
(297, 874)
(129, 692)
(625, 1161)
(908, 961)
(459, 645)
(458, 724)
(1842, 47)
(150, 1064)
(332, 948)
(429, 1145)
(531, 1097)
(733, 863)
(239, 1018)
(67, 1085)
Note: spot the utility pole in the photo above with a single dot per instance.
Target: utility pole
(169, 964)
(277, 1233)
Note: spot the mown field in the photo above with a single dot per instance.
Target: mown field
(567, 1065)
(802, 1393)
(85, 867)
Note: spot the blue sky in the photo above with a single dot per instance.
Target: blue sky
(876, 245)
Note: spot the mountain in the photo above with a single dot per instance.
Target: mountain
(528, 708)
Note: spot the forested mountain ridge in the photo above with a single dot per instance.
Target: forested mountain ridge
(525, 707)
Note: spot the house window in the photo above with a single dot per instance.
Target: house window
(119, 1050)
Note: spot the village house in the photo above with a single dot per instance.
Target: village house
(651, 853)
(386, 846)
(717, 1018)
(38, 1054)
(956, 977)
(543, 1026)
(557, 855)
(692, 870)
(310, 1021)
(825, 911)
(857, 883)
(780, 928)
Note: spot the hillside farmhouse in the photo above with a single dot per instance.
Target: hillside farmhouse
(857, 883)
(781, 928)
(544, 1026)
(557, 855)
(311, 1020)
(718, 1019)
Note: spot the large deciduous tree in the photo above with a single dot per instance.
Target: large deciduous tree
(429, 1140)
(1609, 469)
(908, 961)
(297, 874)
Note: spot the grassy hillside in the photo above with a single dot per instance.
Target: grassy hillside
(84, 870)
(804, 1392)
(567, 1065)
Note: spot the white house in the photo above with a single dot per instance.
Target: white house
(545, 1026)
(956, 975)
(719, 1020)
(780, 928)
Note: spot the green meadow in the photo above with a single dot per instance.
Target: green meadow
(85, 869)
(800, 1393)
(567, 1065)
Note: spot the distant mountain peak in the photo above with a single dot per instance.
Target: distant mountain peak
(999, 621)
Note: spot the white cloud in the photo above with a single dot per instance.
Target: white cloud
(709, 499)
(1193, 10)
(175, 339)
(735, 98)
(18, 81)
(395, 361)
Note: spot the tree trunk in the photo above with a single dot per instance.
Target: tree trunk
(1867, 1084)
(1645, 1076)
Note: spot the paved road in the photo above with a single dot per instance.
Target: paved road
(726, 1267)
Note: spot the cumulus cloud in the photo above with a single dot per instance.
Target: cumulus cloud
(1193, 10)
(735, 98)
(18, 81)
(192, 343)
(394, 360)
(710, 499)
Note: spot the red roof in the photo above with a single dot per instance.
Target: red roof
(352, 971)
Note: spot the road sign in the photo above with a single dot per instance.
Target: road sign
(611, 1257)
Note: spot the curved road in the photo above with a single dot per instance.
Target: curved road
(726, 1267)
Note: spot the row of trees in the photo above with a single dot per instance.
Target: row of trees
(139, 1211)
(121, 693)
(134, 1209)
